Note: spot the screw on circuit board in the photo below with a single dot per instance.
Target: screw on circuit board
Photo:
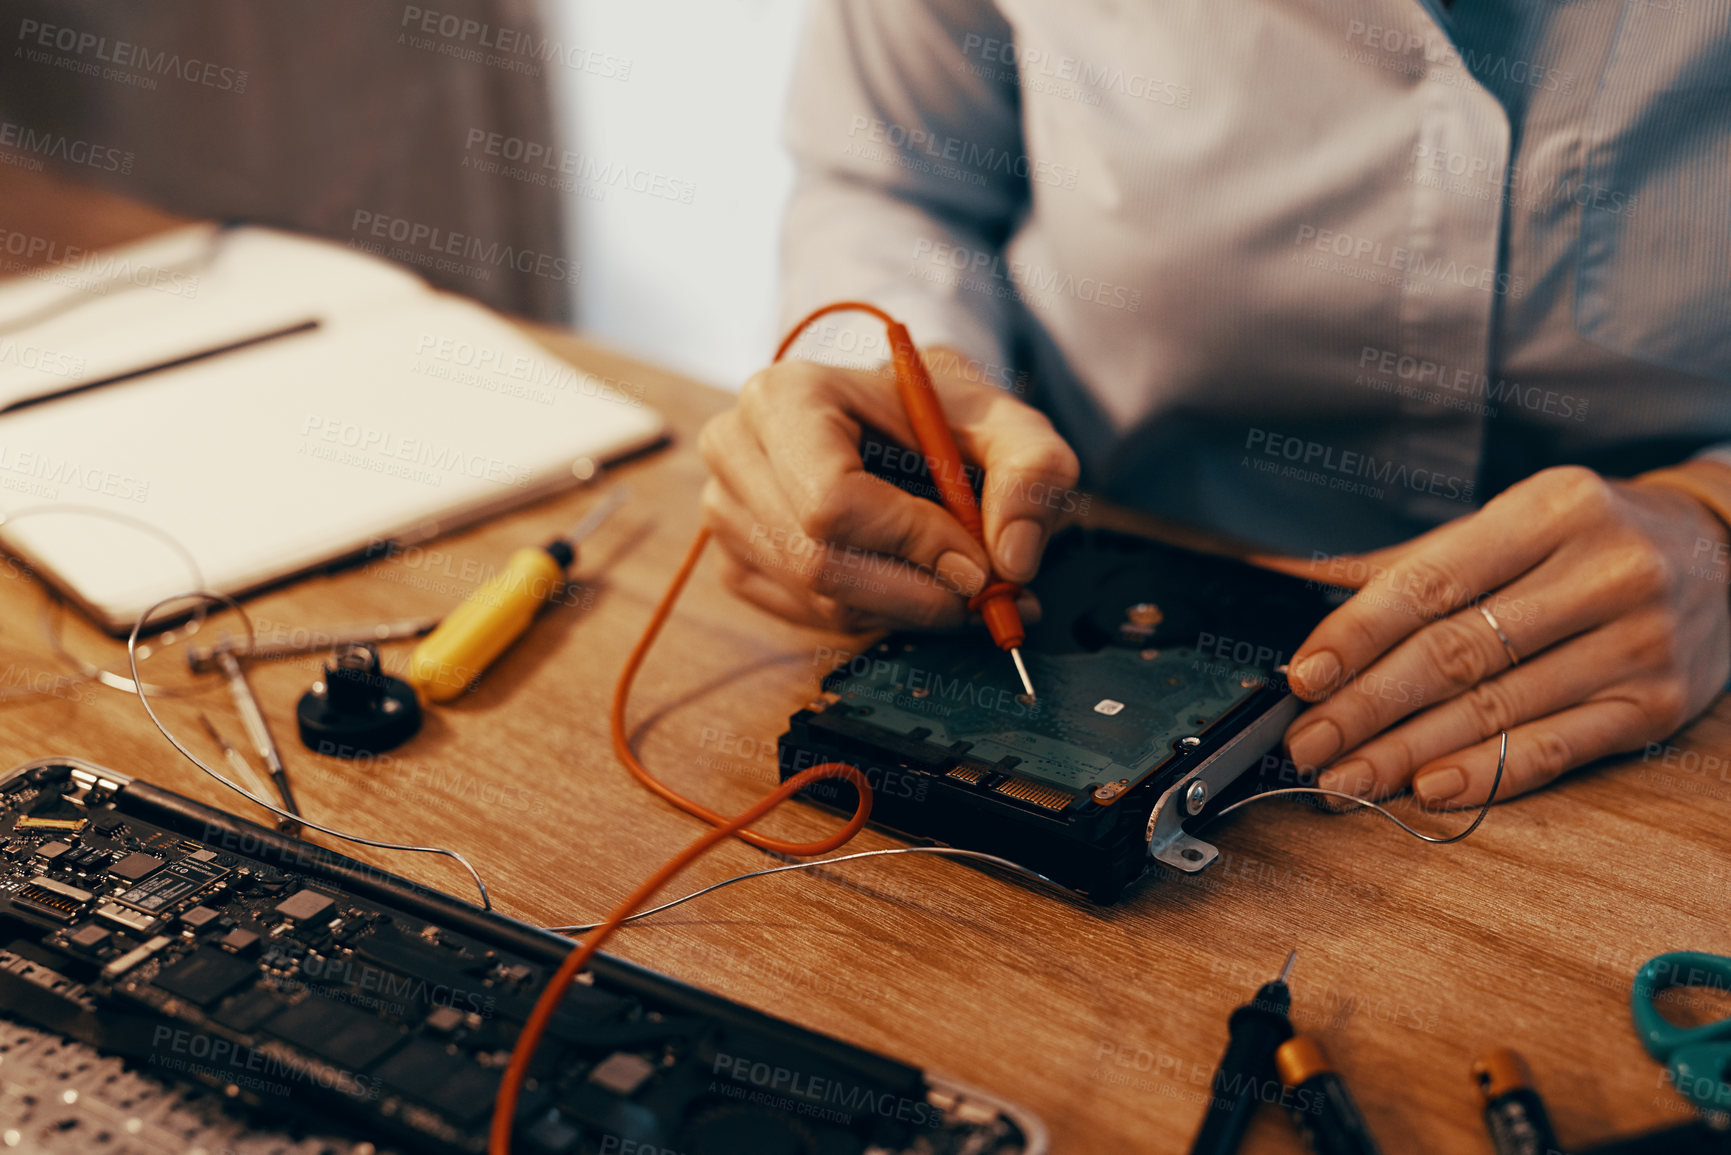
(1107, 791)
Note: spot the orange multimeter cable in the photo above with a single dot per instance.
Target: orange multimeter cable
(996, 604)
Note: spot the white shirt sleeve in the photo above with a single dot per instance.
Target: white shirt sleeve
(907, 152)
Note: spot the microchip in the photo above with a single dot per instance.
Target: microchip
(199, 917)
(239, 941)
(248, 1009)
(467, 1097)
(304, 906)
(421, 1069)
(88, 938)
(336, 1031)
(135, 866)
(622, 1072)
(167, 887)
(53, 850)
(205, 975)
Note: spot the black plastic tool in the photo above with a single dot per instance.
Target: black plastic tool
(356, 710)
(1246, 1077)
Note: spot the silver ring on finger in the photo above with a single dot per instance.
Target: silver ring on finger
(1491, 621)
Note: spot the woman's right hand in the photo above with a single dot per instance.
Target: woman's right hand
(810, 535)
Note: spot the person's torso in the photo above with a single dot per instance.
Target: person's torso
(1292, 255)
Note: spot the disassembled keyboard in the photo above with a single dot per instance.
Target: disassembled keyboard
(190, 946)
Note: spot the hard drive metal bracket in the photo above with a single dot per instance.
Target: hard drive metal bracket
(1168, 842)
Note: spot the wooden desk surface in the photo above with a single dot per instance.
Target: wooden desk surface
(1106, 1022)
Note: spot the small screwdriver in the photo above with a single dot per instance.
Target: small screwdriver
(996, 603)
(1246, 1076)
(492, 617)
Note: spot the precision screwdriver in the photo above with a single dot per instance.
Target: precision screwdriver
(258, 732)
(996, 603)
(1246, 1076)
(492, 617)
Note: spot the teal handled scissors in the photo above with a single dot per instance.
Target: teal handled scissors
(1698, 1058)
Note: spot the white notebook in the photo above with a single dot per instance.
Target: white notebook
(352, 405)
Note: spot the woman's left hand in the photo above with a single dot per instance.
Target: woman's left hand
(1613, 601)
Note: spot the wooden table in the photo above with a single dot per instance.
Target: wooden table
(1106, 1022)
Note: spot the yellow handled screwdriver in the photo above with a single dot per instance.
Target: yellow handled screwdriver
(497, 613)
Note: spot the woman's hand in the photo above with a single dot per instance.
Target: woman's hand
(1612, 597)
(810, 535)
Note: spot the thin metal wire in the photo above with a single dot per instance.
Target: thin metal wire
(1018, 868)
(947, 851)
(1502, 759)
(144, 700)
(53, 605)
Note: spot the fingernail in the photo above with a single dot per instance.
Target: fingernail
(1314, 745)
(1439, 785)
(961, 573)
(1352, 777)
(1315, 675)
(1019, 548)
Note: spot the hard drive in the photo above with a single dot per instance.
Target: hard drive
(1159, 674)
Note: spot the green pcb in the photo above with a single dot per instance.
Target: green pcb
(1099, 717)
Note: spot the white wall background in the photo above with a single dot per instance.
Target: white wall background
(690, 286)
